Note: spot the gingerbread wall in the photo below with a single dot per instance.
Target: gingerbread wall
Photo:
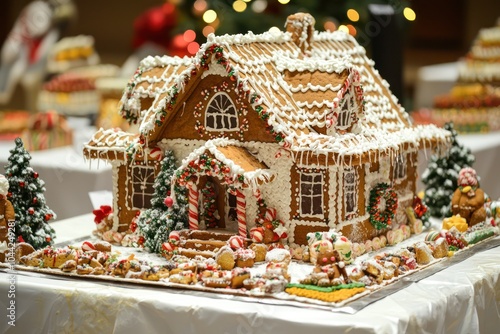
(124, 207)
(188, 122)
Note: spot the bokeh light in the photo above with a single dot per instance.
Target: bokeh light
(189, 35)
(283, 2)
(259, 6)
(353, 15)
(409, 14)
(352, 29)
(239, 6)
(209, 16)
(199, 7)
(343, 28)
(193, 47)
(330, 26)
(207, 30)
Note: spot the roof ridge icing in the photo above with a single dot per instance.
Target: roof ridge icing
(311, 64)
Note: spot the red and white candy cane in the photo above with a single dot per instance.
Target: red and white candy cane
(193, 206)
(270, 214)
(241, 213)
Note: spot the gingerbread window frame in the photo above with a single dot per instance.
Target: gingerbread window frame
(400, 169)
(350, 186)
(221, 113)
(311, 194)
(143, 178)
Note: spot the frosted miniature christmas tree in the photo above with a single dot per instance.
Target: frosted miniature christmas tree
(26, 193)
(440, 177)
(156, 223)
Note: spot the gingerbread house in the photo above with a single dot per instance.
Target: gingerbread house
(297, 122)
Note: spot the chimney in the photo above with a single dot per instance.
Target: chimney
(301, 26)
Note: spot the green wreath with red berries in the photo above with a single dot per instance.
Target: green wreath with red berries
(382, 206)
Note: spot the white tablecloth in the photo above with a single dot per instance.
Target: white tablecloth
(463, 298)
(68, 178)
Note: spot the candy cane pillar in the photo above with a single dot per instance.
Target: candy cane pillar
(241, 213)
(193, 206)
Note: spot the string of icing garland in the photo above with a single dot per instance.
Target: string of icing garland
(382, 217)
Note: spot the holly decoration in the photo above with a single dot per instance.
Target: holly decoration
(26, 193)
(382, 206)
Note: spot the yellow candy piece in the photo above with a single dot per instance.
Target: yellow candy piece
(466, 189)
(457, 221)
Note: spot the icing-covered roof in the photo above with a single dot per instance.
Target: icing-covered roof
(237, 159)
(111, 144)
(293, 92)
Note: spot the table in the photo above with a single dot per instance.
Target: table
(68, 177)
(463, 298)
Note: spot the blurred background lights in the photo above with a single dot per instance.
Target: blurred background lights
(193, 47)
(209, 16)
(351, 29)
(353, 15)
(208, 30)
(259, 6)
(343, 28)
(330, 26)
(283, 2)
(189, 35)
(409, 14)
(199, 7)
(239, 6)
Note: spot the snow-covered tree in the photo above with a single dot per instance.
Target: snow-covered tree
(156, 223)
(26, 193)
(440, 177)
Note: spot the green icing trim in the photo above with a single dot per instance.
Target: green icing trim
(326, 289)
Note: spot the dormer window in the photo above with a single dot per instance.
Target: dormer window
(221, 114)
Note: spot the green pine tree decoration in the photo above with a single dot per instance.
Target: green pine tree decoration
(441, 175)
(156, 223)
(26, 193)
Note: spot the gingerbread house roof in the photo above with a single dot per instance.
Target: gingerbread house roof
(111, 144)
(292, 91)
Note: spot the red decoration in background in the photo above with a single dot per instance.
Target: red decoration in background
(31, 211)
(35, 175)
(20, 238)
(418, 207)
(22, 184)
(48, 216)
(155, 26)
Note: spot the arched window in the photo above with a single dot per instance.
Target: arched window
(221, 114)
(348, 108)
